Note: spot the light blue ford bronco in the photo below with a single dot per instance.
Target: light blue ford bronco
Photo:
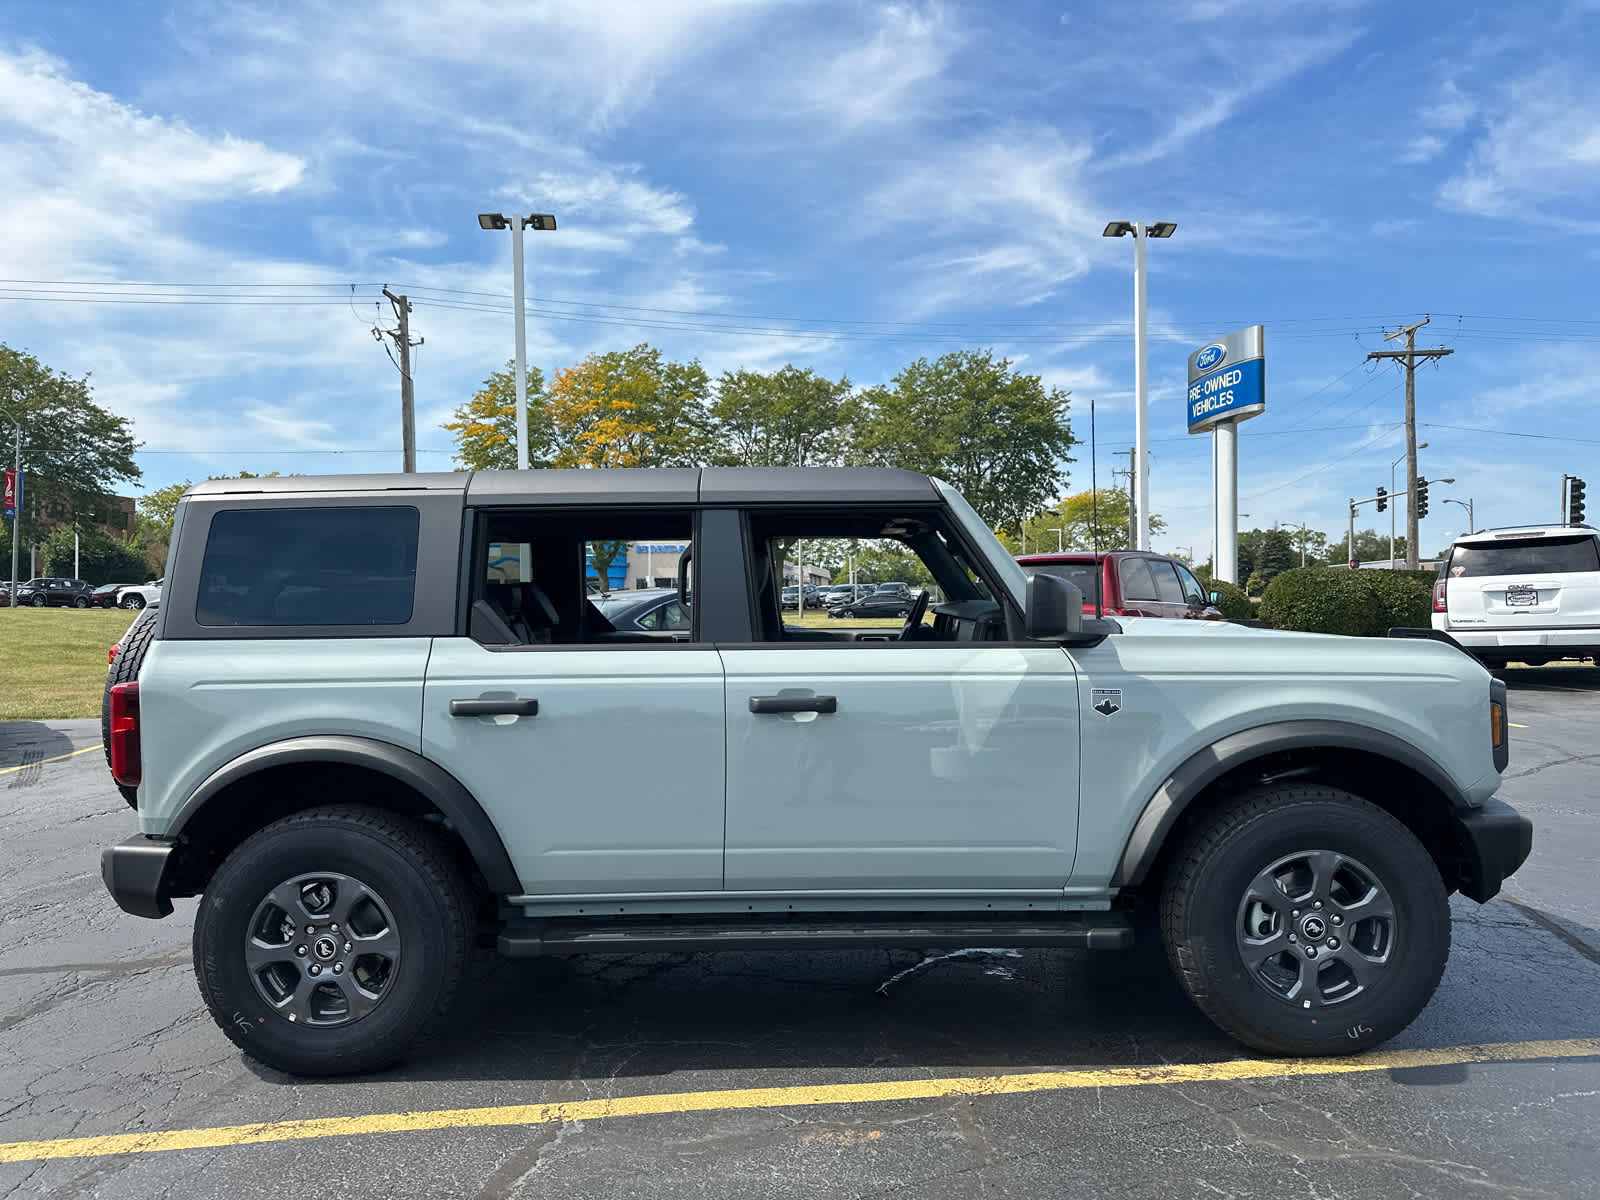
(377, 721)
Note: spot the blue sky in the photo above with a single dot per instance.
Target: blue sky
(844, 186)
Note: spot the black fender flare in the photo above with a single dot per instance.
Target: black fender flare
(1204, 767)
(432, 781)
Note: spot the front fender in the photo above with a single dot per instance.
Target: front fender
(1203, 768)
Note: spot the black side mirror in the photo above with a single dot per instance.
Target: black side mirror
(1053, 607)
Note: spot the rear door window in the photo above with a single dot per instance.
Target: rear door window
(309, 566)
(1085, 575)
(1541, 556)
(1137, 582)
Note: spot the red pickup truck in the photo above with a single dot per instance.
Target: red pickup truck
(1129, 583)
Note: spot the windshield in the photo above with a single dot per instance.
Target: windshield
(1085, 575)
(1541, 556)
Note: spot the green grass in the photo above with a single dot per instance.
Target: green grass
(815, 619)
(53, 660)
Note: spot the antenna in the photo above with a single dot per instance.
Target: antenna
(1094, 512)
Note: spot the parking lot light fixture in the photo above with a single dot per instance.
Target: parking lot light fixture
(1141, 383)
(516, 222)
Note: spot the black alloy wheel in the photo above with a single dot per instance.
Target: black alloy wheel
(1305, 920)
(330, 941)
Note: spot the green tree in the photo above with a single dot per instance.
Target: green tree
(1086, 520)
(999, 437)
(1371, 546)
(73, 451)
(791, 417)
(485, 427)
(157, 510)
(101, 558)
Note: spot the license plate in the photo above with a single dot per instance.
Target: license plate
(1521, 597)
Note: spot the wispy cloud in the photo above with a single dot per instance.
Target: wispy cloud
(1539, 155)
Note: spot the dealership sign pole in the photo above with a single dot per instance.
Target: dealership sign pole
(1227, 384)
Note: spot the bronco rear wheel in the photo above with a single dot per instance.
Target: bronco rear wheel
(1305, 920)
(330, 941)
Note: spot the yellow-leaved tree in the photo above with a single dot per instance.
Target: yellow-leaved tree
(486, 425)
(629, 408)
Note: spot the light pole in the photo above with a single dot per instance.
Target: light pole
(516, 222)
(1058, 539)
(1472, 524)
(1409, 500)
(1141, 385)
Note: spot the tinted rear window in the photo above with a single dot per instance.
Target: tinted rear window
(1536, 556)
(309, 566)
(1085, 575)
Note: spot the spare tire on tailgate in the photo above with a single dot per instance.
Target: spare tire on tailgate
(125, 669)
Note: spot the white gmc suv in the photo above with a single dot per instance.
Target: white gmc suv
(1529, 594)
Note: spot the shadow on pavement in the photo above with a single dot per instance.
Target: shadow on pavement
(25, 743)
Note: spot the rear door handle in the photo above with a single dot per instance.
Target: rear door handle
(494, 708)
(794, 704)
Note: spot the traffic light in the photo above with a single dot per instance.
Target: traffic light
(1383, 499)
(1575, 501)
(1422, 498)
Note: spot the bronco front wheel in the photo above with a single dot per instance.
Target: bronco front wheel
(1305, 920)
(328, 942)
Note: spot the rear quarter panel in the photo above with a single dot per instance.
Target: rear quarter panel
(204, 703)
(1187, 684)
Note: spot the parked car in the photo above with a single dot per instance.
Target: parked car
(877, 604)
(652, 610)
(1129, 583)
(55, 592)
(813, 596)
(141, 594)
(366, 755)
(105, 596)
(5, 593)
(1528, 593)
(843, 593)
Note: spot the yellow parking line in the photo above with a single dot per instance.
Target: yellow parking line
(785, 1097)
(57, 758)
(1514, 725)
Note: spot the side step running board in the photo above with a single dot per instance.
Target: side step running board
(587, 935)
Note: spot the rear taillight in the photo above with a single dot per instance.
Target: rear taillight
(1439, 602)
(126, 766)
(111, 654)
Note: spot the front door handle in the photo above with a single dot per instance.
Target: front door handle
(794, 704)
(494, 708)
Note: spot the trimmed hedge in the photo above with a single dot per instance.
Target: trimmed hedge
(1354, 603)
(1231, 599)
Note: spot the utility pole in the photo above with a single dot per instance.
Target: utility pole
(1133, 514)
(1410, 355)
(408, 401)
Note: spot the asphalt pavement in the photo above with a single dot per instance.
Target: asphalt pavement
(1032, 1074)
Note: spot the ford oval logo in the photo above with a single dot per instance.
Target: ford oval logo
(1210, 356)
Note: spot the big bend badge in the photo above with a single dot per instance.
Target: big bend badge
(1106, 701)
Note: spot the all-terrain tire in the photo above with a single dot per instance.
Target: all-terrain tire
(398, 860)
(1205, 909)
(125, 669)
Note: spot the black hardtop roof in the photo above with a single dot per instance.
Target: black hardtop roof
(621, 485)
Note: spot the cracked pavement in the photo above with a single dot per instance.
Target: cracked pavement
(102, 1031)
